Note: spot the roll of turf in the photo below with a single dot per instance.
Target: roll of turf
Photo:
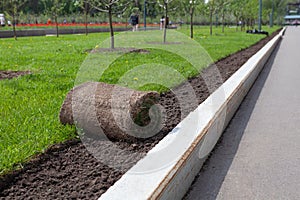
(105, 110)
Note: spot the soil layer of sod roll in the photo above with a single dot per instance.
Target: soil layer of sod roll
(69, 170)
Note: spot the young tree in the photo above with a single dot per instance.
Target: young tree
(152, 9)
(12, 7)
(85, 5)
(86, 12)
(110, 7)
(165, 4)
(192, 11)
(222, 7)
(250, 14)
(212, 9)
(275, 9)
(56, 10)
(236, 8)
(190, 6)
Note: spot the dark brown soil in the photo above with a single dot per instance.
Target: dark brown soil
(70, 171)
(119, 50)
(12, 74)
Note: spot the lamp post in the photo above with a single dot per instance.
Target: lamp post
(260, 15)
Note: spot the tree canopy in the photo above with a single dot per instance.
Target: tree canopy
(230, 10)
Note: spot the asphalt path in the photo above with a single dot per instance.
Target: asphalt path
(258, 156)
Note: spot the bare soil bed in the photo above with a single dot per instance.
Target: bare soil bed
(70, 171)
(12, 74)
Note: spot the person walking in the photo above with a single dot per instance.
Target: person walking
(134, 20)
(162, 22)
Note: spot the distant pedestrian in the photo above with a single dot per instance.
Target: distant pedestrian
(2, 20)
(162, 22)
(134, 20)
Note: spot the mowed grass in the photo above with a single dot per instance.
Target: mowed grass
(30, 104)
(220, 44)
(153, 71)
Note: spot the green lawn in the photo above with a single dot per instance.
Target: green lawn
(30, 104)
(220, 44)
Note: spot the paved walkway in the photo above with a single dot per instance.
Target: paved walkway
(259, 155)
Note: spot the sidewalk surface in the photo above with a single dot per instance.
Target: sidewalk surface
(259, 154)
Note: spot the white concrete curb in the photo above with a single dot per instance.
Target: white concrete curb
(170, 167)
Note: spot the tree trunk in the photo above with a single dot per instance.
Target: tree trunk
(192, 21)
(165, 25)
(217, 21)
(86, 18)
(211, 21)
(14, 26)
(249, 23)
(223, 21)
(242, 24)
(112, 39)
(56, 24)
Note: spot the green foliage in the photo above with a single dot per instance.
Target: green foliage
(152, 9)
(234, 10)
(57, 8)
(135, 10)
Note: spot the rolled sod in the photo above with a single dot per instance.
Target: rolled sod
(115, 112)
